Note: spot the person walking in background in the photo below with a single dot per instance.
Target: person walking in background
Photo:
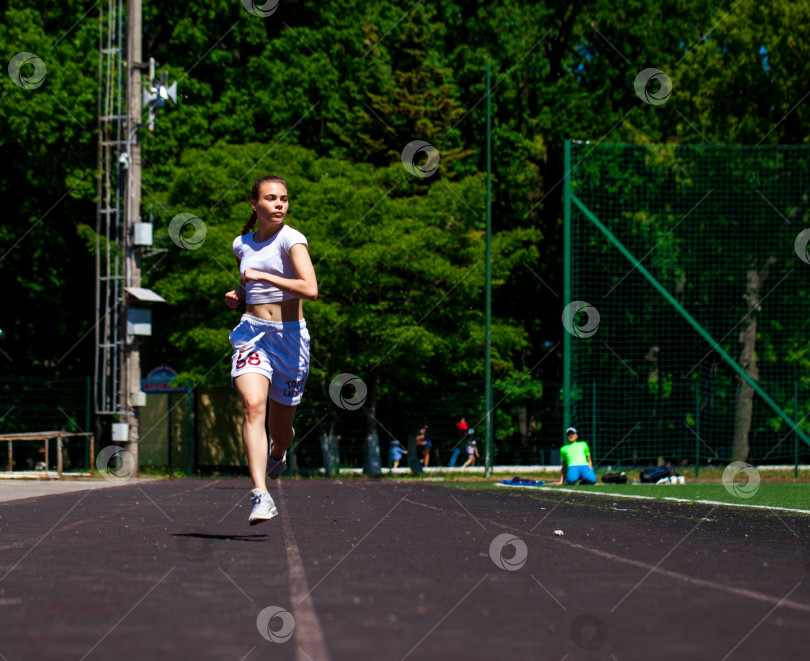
(271, 343)
(472, 452)
(577, 464)
(428, 443)
(397, 452)
(461, 429)
(422, 447)
(461, 433)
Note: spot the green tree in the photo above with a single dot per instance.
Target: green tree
(48, 149)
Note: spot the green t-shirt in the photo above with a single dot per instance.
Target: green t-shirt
(575, 454)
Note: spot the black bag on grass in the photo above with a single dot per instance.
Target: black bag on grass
(614, 478)
(652, 475)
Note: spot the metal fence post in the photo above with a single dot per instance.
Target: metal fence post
(697, 428)
(795, 435)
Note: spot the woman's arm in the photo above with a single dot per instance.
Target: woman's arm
(235, 296)
(305, 286)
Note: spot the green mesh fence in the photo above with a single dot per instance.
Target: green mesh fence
(686, 285)
(527, 432)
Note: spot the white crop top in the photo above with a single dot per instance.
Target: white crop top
(271, 256)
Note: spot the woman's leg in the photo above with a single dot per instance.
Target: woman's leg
(253, 389)
(280, 423)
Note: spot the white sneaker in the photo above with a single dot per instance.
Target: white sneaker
(275, 467)
(263, 507)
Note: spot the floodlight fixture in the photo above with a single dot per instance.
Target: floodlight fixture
(155, 94)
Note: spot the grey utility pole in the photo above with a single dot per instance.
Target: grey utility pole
(131, 381)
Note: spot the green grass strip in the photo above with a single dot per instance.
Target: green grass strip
(767, 495)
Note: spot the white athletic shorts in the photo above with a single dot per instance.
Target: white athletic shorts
(277, 349)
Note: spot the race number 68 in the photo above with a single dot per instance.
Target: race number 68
(252, 359)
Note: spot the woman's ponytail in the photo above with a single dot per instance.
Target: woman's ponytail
(251, 225)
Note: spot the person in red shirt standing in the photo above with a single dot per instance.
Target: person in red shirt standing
(461, 430)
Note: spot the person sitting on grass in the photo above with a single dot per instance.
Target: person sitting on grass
(577, 465)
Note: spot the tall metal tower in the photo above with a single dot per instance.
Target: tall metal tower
(110, 208)
(121, 236)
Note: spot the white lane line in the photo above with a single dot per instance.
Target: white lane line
(749, 594)
(308, 632)
(669, 498)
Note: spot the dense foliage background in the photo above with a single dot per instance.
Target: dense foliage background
(328, 94)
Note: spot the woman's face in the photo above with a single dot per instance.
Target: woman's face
(272, 204)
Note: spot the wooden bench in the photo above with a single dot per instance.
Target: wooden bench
(45, 437)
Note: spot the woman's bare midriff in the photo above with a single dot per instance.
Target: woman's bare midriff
(289, 310)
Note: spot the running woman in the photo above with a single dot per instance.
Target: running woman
(271, 343)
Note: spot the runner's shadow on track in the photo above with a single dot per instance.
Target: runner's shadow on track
(202, 547)
(223, 538)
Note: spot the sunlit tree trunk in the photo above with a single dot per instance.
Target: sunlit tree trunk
(754, 281)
